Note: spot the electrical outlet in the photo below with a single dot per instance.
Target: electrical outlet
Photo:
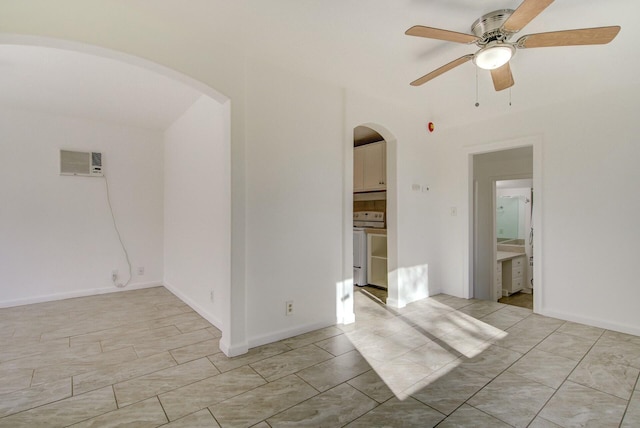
(289, 307)
(140, 270)
(211, 296)
(114, 275)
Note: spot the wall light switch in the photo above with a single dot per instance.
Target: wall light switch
(425, 189)
(453, 211)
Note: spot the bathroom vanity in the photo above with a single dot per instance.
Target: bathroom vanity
(510, 273)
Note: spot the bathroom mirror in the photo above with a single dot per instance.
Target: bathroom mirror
(513, 212)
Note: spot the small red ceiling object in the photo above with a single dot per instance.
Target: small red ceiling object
(431, 127)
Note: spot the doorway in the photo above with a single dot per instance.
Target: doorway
(513, 231)
(370, 213)
(517, 159)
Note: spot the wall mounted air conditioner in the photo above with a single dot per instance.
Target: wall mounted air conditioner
(88, 164)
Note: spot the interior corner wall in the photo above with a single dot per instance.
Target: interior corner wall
(294, 202)
(588, 226)
(197, 217)
(57, 238)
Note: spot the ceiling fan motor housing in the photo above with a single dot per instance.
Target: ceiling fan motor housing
(488, 28)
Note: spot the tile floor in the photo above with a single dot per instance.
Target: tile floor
(145, 359)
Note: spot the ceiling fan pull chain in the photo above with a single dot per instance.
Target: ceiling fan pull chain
(509, 97)
(477, 103)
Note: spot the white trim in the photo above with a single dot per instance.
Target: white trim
(287, 333)
(594, 322)
(199, 309)
(535, 141)
(74, 294)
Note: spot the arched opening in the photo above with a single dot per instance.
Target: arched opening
(165, 142)
(372, 147)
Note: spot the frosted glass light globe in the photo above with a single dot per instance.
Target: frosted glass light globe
(493, 56)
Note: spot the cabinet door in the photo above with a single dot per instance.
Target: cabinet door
(358, 169)
(374, 166)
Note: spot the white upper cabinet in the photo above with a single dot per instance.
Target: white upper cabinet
(370, 167)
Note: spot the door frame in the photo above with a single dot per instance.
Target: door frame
(536, 142)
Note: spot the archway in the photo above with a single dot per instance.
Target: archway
(221, 315)
(345, 297)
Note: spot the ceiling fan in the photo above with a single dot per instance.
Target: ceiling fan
(492, 33)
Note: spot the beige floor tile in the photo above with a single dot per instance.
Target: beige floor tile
(401, 375)
(290, 362)
(199, 395)
(312, 337)
(15, 379)
(399, 413)
(151, 384)
(581, 330)
(332, 372)
(566, 345)
(577, 405)
(491, 361)
(45, 341)
(608, 351)
(77, 365)
(196, 350)
(262, 402)
(448, 388)
(480, 309)
(371, 384)
(380, 348)
(466, 416)
(548, 369)
(433, 355)
(200, 419)
(610, 378)
(332, 408)
(64, 412)
(144, 348)
(543, 423)
(336, 345)
(117, 373)
(224, 363)
(512, 399)
(501, 319)
(132, 338)
(632, 415)
(24, 399)
(145, 414)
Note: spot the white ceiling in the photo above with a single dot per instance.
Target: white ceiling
(362, 46)
(352, 43)
(80, 85)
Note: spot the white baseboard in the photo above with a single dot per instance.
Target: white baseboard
(73, 294)
(233, 350)
(287, 333)
(594, 322)
(199, 309)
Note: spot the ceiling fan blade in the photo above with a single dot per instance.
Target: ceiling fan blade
(437, 72)
(436, 33)
(502, 77)
(583, 36)
(524, 14)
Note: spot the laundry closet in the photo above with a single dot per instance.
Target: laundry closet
(369, 210)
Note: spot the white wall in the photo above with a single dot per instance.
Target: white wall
(589, 203)
(294, 202)
(197, 214)
(57, 236)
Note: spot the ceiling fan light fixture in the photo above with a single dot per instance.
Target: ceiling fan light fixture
(493, 56)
